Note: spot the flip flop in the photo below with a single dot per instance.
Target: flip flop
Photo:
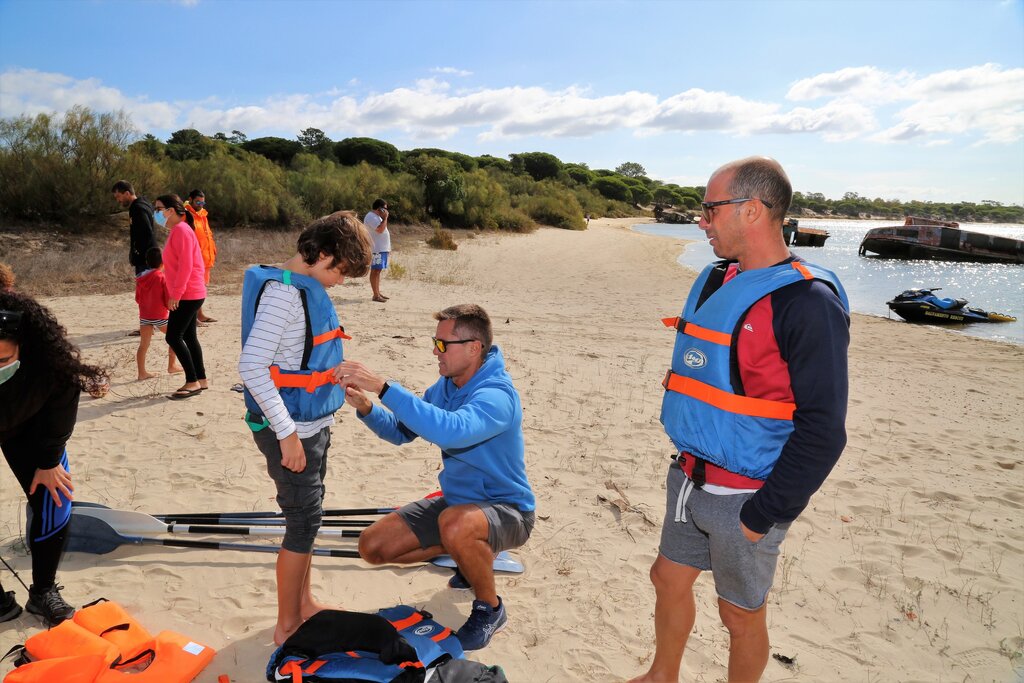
(182, 394)
(209, 320)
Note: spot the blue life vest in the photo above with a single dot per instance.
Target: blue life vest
(309, 393)
(433, 643)
(701, 411)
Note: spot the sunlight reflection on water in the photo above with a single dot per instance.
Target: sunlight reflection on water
(870, 282)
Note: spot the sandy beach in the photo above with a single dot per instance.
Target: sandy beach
(908, 565)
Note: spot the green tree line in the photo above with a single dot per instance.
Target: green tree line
(60, 169)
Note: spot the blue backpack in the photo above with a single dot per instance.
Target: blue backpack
(396, 645)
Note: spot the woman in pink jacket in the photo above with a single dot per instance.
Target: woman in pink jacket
(185, 272)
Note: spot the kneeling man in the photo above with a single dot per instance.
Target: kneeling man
(474, 415)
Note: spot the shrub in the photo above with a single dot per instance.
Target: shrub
(276, 149)
(613, 188)
(539, 165)
(353, 151)
(442, 239)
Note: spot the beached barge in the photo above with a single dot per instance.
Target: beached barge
(803, 237)
(926, 239)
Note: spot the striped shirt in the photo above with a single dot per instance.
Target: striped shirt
(277, 337)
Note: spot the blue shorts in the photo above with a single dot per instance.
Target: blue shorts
(707, 536)
(380, 260)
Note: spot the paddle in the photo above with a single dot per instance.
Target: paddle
(244, 521)
(93, 535)
(127, 522)
(336, 512)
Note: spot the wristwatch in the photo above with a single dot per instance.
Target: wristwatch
(384, 389)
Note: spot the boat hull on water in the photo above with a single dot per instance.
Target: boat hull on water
(922, 306)
(924, 239)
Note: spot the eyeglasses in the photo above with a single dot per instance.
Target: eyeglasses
(10, 323)
(707, 208)
(442, 344)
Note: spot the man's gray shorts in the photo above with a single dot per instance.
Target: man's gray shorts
(300, 494)
(711, 538)
(507, 527)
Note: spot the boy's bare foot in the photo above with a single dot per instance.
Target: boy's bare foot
(281, 632)
(174, 371)
(146, 375)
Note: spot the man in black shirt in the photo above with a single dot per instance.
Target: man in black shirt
(140, 213)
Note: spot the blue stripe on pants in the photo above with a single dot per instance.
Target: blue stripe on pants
(55, 518)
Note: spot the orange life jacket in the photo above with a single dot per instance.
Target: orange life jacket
(103, 644)
(201, 224)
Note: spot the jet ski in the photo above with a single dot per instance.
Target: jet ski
(922, 306)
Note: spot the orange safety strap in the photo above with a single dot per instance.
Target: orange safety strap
(336, 333)
(442, 635)
(312, 668)
(414, 665)
(802, 269)
(733, 403)
(310, 382)
(294, 668)
(413, 618)
(699, 332)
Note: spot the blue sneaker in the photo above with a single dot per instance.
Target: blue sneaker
(484, 621)
(458, 581)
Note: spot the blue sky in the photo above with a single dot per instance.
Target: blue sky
(903, 99)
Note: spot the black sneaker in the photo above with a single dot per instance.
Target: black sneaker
(458, 582)
(484, 621)
(9, 607)
(49, 605)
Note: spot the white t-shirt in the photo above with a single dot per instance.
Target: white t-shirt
(381, 240)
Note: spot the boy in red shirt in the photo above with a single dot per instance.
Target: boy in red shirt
(151, 295)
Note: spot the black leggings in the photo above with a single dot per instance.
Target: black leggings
(49, 528)
(182, 338)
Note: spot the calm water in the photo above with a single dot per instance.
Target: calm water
(870, 282)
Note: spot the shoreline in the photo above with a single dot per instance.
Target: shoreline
(906, 565)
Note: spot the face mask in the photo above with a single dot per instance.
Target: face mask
(7, 371)
(160, 219)
(200, 205)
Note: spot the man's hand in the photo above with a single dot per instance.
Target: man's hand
(293, 456)
(751, 536)
(172, 304)
(358, 400)
(351, 373)
(57, 480)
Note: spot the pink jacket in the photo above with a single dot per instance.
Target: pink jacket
(183, 264)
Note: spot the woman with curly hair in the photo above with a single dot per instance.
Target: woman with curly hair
(41, 377)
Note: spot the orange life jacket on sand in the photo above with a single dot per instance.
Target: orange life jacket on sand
(103, 644)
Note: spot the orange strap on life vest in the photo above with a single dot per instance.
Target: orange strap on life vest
(697, 331)
(337, 333)
(310, 382)
(733, 403)
(802, 269)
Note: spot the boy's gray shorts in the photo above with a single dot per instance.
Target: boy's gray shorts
(507, 526)
(711, 538)
(300, 494)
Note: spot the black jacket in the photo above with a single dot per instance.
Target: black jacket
(36, 410)
(140, 213)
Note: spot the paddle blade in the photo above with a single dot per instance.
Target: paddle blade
(502, 563)
(92, 535)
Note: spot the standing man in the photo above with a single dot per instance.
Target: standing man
(474, 415)
(755, 406)
(376, 223)
(196, 217)
(140, 215)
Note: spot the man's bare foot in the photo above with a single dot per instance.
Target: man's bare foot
(174, 371)
(379, 299)
(146, 375)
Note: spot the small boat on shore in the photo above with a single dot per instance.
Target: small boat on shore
(926, 239)
(803, 237)
(922, 306)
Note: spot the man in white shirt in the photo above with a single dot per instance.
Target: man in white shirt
(376, 223)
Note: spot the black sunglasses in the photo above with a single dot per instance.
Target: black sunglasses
(10, 323)
(442, 345)
(707, 208)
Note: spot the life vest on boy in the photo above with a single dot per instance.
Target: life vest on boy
(397, 644)
(701, 410)
(200, 222)
(103, 644)
(309, 393)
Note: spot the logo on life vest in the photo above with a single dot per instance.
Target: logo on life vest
(694, 359)
(423, 630)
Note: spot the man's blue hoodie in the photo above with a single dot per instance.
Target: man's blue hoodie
(479, 428)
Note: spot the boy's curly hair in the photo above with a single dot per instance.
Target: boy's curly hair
(341, 236)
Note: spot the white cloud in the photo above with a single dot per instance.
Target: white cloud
(450, 70)
(984, 102)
